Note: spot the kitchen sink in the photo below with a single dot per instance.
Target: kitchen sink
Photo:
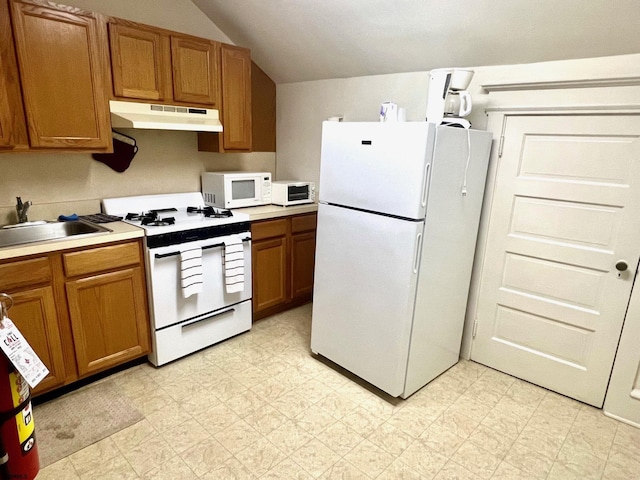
(39, 232)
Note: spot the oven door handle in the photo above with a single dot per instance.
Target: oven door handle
(172, 254)
(208, 317)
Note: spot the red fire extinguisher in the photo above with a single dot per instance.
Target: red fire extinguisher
(18, 450)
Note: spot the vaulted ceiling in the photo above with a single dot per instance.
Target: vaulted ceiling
(301, 40)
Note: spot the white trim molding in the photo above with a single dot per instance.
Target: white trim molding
(564, 110)
(563, 84)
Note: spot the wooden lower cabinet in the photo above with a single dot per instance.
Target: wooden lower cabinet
(269, 258)
(34, 313)
(108, 319)
(283, 256)
(303, 254)
(83, 311)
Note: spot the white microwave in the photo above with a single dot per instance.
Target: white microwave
(236, 189)
(290, 192)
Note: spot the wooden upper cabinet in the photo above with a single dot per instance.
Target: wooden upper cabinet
(195, 71)
(236, 97)
(62, 62)
(153, 64)
(138, 62)
(13, 128)
(263, 111)
(235, 105)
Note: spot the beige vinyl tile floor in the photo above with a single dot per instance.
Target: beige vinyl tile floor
(261, 406)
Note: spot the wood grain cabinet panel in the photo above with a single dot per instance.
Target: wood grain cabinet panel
(99, 259)
(25, 273)
(304, 223)
(34, 313)
(30, 284)
(13, 126)
(263, 111)
(62, 62)
(269, 229)
(303, 254)
(109, 319)
(236, 97)
(235, 104)
(195, 71)
(153, 64)
(269, 269)
(138, 60)
(283, 261)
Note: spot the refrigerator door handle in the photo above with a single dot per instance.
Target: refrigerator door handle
(425, 185)
(416, 260)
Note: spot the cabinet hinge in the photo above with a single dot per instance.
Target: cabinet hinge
(475, 328)
(500, 146)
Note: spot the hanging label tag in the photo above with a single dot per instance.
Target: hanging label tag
(20, 353)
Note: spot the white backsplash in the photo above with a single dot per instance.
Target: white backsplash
(166, 162)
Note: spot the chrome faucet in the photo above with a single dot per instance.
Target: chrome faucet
(22, 209)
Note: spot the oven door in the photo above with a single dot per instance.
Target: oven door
(168, 304)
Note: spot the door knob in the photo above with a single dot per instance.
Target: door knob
(621, 265)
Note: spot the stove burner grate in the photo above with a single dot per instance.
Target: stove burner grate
(210, 212)
(158, 222)
(135, 216)
(152, 218)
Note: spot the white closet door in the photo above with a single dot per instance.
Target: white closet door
(565, 210)
(623, 395)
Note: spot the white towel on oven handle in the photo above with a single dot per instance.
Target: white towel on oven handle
(233, 262)
(191, 271)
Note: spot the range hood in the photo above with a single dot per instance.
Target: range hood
(163, 117)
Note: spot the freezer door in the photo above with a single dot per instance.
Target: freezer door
(364, 291)
(379, 167)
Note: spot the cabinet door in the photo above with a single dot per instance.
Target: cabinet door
(303, 251)
(195, 71)
(62, 68)
(236, 97)
(13, 129)
(34, 313)
(138, 62)
(269, 269)
(109, 319)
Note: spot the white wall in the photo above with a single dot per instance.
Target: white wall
(178, 15)
(166, 161)
(303, 106)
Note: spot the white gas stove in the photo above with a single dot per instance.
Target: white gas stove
(161, 214)
(183, 236)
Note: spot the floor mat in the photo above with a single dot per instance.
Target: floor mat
(76, 420)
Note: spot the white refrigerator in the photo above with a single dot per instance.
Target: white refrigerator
(398, 214)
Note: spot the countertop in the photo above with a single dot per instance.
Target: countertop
(119, 231)
(266, 212)
(124, 231)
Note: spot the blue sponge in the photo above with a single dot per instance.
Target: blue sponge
(68, 218)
